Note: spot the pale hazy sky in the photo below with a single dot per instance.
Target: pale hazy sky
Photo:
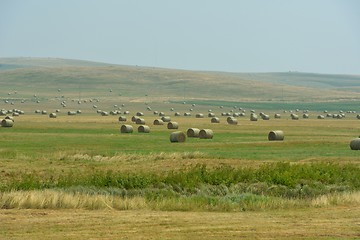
(220, 35)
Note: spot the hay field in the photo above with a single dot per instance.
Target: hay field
(78, 176)
(50, 166)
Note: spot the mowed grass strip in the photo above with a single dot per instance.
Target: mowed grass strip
(312, 223)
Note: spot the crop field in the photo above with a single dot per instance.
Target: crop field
(84, 164)
(77, 176)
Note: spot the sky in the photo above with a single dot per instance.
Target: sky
(321, 36)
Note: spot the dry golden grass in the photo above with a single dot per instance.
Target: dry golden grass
(337, 199)
(323, 223)
(52, 199)
(58, 199)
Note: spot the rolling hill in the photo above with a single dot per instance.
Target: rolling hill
(75, 78)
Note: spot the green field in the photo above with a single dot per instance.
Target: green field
(69, 172)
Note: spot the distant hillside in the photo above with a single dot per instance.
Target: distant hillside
(313, 80)
(45, 76)
(12, 63)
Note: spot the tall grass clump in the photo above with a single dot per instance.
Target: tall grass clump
(199, 187)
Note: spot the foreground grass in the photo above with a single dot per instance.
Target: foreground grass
(307, 223)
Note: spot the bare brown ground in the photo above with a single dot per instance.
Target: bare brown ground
(313, 223)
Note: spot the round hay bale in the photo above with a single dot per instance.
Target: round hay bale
(305, 115)
(15, 114)
(166, 118)
(215, 120)
(7, 123)
(143, 129)
(321, 117)
(338, 116)
(276, 135)
(187, 114)
(232, 120)
(277, 116)
(211, 114)
(78, 111)
(265, 117)
(122, 119)
(134, 118)
(177, 114)
(43, 112)
(156, 112)
(10, 118)
(199, 115)
(177, 137)
(158, 122)
(294, 116)
(126, 112)
(126, 129)
(172, 125)
(355, 144)
(358, 116)
(71, 113)
(52, 115)
(139, 114)
(161, 114)
(140, 121)
(253, 117)
(104, 113)
(193, 132)
(206, 134)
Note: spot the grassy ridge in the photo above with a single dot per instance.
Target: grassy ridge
(282, 105)
(45, 76)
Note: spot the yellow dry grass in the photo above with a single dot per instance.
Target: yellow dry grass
(58, 199)
(53, 199)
